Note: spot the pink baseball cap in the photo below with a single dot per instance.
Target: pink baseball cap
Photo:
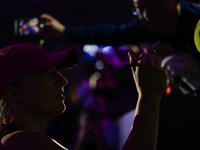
(18, 59)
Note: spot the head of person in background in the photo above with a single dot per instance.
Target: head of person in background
(158, 15)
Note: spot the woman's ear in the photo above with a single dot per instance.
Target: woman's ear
(12, 94)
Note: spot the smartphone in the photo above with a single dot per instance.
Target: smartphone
(29, 26)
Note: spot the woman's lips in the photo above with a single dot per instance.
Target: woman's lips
(60, 96)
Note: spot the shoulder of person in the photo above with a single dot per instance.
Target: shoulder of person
(30, 140)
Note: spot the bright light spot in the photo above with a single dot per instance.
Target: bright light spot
(90, 49)
(107, 49)
(93, 79)
(99, 65)
(42, 25)
(135, 13)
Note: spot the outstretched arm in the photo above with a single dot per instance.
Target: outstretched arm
(150, 80)
(104, 34)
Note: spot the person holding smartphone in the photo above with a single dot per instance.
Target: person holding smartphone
(172, 22)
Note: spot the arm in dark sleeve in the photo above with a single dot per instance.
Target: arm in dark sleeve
(129, 33)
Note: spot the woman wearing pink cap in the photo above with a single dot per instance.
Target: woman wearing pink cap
(31, 90)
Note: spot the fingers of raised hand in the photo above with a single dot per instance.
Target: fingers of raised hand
(132, 60)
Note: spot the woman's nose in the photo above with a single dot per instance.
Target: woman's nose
(64, 83)
(62, 80)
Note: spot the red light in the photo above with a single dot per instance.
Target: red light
(168, 90)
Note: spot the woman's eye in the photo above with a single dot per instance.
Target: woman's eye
(48, 71)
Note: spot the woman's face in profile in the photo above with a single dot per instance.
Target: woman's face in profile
(42, 92)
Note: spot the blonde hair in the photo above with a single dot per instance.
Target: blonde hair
(4, 110)
(5, 115)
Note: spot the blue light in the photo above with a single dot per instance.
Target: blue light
(134, 13)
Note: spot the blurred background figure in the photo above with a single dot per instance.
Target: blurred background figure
(90, 130)
(170, 21)
(185, 72)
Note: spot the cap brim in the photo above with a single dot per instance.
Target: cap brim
(64, 59)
